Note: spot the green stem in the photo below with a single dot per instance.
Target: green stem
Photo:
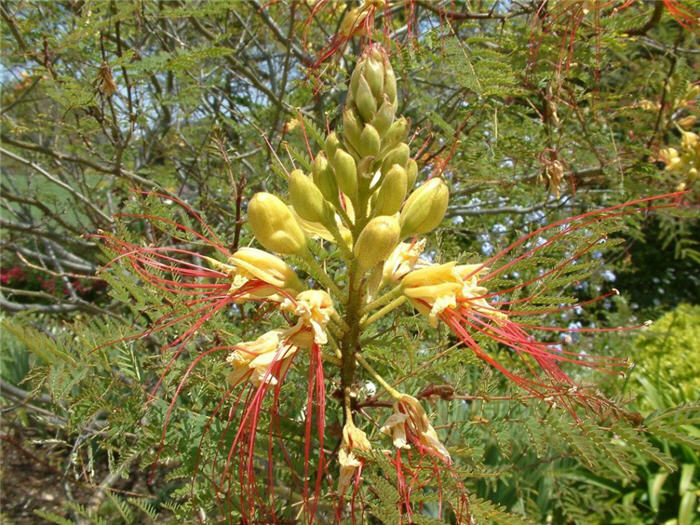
(336, 347)
(381, 313)
(350, 345)
(335, 232)
(345, 217)
(339, 321)
(318, 273)
(392, 391)
(382, 300)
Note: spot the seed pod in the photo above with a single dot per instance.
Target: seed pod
(424, 208)
(274, 225)
(345, 172)
(384, 117)
(369, 143)
(364, 100)
(306, 198)
(395, 134)
(323, 178)
(392, 192)
(352, 129)
(398, 155)
(411, 172)
(376, 241)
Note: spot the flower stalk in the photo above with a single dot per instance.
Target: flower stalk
(358, 196)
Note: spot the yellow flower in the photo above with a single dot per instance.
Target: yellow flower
(402, 260)
(314, 308)
(396, 426)
(353, 439)
(443, 286)
(410, 422)
(253, 263)
(248, 264)
(254, 359)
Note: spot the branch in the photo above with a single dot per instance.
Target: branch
(462, 211)
(120, 172)
(82, 198)
(287, 41)
(32, 229)
(655, 17)
(11, 306)
(466, 15)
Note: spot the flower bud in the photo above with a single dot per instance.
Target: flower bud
(332, 143)
(364, 100)
(306, 198)
(323, 177)
(424, 208)
(345, 172)
(352, 129)
(274, 225)
(411, 172)
(384, 117)
(376, 241)
(392, 192)
(369, 143)
(390, 83)
(398, 155)
(266, 267)
(395, 134)
(374, 74)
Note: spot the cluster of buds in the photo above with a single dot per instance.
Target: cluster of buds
(356, 193)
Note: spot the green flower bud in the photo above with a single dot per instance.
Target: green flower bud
(399, 155)
(392, 192)
(369, 142)
(332, 143)
(345, 172)
(324, 178)
(424, 208)
(374, 74)
(411, 172)
(352, 129)
(364, 100)
(354, 81)
(376, 241)
(274, 226)
(390, 83)
(306, 198)
(384, 117)
(395, 134)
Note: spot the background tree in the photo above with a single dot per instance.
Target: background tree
(531, 111)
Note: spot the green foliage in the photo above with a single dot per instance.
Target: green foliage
(494, 101)
(665, 355)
